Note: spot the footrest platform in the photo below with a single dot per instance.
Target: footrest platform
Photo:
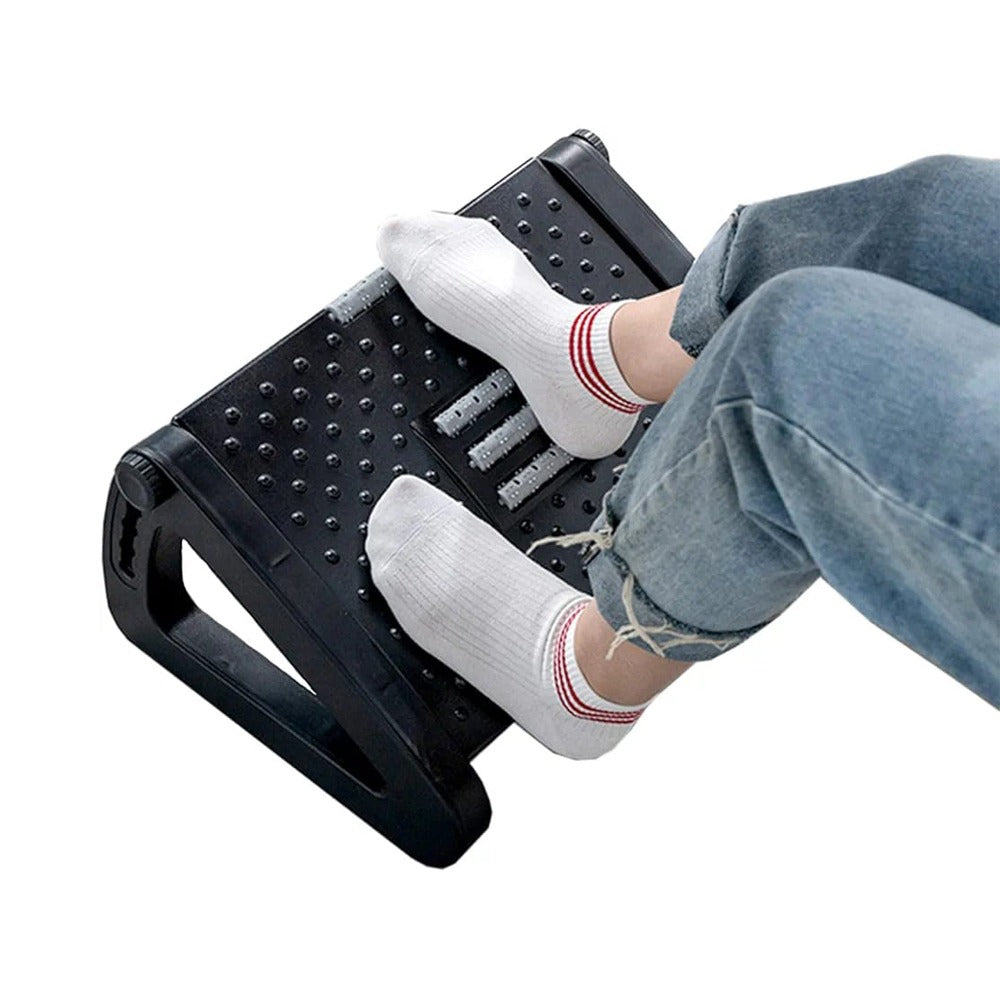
(271, 475)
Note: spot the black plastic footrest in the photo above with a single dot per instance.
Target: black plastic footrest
(270, 478)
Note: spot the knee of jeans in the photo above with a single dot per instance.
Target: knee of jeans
(942, 171)
(798, 322)
(787, 304)
(940, 195)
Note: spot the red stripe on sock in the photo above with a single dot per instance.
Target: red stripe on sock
(624, 403)
(577, 356)
(577, 707)
(571, 701)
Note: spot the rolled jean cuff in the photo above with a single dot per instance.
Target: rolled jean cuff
(626, 607)
(701, 307)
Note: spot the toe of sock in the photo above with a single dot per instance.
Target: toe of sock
(404, 508)
(392, 239)
(401, 239)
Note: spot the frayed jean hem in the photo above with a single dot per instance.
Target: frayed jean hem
(627, 608)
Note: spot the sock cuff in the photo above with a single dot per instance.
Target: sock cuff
(594, 361)
(576, 695)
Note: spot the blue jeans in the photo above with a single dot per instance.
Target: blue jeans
(842, 420)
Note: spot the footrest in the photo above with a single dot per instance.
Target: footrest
(271, 475)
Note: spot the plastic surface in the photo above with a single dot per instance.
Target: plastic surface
(270, 477)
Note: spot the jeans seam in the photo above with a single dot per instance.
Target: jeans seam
(874, 487)
(669, 471)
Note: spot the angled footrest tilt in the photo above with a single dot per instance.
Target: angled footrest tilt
(271, 475)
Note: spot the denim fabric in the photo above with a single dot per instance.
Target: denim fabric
(842, 420)
(934, 223)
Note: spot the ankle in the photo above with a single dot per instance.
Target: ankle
(649, 359)
(632, 676)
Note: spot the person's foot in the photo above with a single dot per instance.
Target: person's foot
(474, 601)
(467, 278)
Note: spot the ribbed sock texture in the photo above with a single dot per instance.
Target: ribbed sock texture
(478, 604)
(467, 278)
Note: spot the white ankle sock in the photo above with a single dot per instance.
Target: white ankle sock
(467, 278)
(474, 601)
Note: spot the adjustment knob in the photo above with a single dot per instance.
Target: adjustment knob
(141, 482)
(595, 140)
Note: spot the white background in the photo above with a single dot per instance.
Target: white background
(815, 814)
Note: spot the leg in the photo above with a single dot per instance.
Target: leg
(626, 674)
(651, 361)
(934, 224)
(838, 423)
